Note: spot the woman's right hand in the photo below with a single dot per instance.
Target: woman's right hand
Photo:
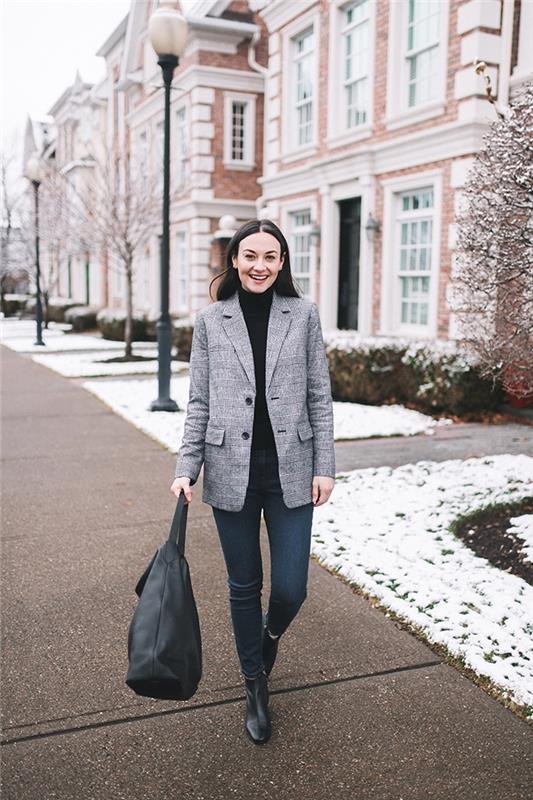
(182, 485)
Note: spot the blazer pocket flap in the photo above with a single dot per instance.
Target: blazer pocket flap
(214, 435)
(305, 431)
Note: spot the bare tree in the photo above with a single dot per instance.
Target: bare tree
(13, 263)
(54, 232)
(492, 290)
(115, 211)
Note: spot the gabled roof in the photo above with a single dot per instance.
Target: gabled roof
(201, 15)
(114, 37)
(39, 134)
(75, 88)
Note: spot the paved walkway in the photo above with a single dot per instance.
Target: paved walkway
(360, 708)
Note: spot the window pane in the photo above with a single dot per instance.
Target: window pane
(300, 229)
(423, 33)
(356, 64)
(414, 258)
(238, 121)
(303, 87)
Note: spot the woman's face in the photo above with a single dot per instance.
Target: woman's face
(258, 261)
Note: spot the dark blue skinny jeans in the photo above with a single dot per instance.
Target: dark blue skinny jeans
(289, 535)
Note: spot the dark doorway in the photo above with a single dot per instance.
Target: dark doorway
(350, 231)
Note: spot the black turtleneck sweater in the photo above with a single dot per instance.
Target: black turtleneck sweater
(256, 311)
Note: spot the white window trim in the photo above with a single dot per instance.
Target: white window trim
(144, 285)
(249, 130)
(158, 138)
(338, 135)
(288, 151)
(184, 306)
(173, 144)
(142, 159)
(390, 324)
(286, 209)
(398, 114)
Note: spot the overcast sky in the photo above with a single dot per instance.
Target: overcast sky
(43, 44)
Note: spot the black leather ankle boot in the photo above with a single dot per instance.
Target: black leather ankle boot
(269, 648)
(257, 722)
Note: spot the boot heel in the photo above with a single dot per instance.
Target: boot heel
(257, 723)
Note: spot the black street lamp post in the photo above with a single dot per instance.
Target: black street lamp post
(168, 33)
(35, 173)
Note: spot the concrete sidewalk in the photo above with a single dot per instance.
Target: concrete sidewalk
(360, 708)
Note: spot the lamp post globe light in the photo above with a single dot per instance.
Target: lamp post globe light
(167, 30)
(35, 173)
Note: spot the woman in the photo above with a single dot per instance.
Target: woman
(260, 419)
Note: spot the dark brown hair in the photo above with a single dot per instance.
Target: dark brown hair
(230, 276)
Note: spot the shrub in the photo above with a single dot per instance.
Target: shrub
(111, 324)
(81, 318)
(15, 304)
(431, 376)
(56, 308)
(182, 338)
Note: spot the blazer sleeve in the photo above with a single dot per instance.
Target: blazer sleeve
(191, 453)
(319, 399)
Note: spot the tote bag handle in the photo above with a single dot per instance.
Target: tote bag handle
(179, 523)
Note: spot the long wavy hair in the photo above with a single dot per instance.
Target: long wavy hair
(230, 282)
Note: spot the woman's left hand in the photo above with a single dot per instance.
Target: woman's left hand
(322, 488)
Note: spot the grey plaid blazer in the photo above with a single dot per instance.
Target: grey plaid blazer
(220, 410)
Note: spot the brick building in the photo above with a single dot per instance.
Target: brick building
(352, 124)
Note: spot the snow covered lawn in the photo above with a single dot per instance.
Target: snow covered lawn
(93, 365)
(351, 420)
(522, 528)
(387, 531)
(20, 334)
(131, 399)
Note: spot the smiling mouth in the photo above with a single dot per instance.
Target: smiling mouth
(259, 278)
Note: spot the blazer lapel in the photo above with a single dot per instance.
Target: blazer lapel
(279, 323)
(234, 326)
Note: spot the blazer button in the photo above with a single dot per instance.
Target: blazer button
(249, 401)
(245, 435)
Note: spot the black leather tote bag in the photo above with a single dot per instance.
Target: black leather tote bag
(164, 643)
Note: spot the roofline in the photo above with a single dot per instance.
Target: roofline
(114, 37)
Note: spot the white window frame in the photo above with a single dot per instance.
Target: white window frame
(142, 161)
(287, 210)
(181, 174)
(398, 112)
(390, 313)
(249, 100)
(181, 283)
(290, 150)
(159, 146)
(143, 294)
(338, 132)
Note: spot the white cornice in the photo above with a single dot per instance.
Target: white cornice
(198, 75)
(216, 207)
(452, 140)
(220, 78)
(78, 162)
(280, 12)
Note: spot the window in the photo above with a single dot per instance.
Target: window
(239, 130)
(144, 299)
(159, 145)
(300, 248)
(417, 61)
(414, 255)
(181, 272)
(182, 146)
(238, 112)
(355, 47)
(422, 51)
(303, 75)
(142, 174)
